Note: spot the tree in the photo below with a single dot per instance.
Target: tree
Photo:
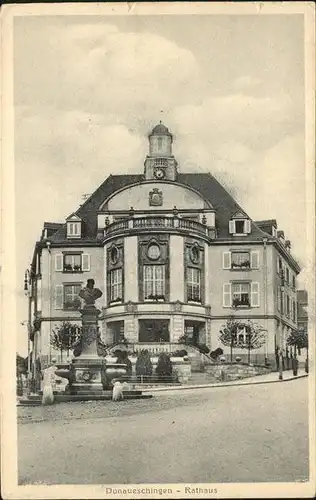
(228, 334)
(144, 366)
(255, 337)
(299, 340)
(245, 335)
(164, 367)
(65, 337)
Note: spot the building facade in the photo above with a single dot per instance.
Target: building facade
(174, 255)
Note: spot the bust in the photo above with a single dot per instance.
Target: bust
(90, 294)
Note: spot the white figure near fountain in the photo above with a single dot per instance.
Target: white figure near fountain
(117, 393)
(49, 379)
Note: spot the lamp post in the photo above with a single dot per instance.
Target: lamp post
(280, 354)
(28, 293)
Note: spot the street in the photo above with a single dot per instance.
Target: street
(253, 433)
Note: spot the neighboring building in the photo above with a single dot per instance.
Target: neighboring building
(302, 315)
(173, 253)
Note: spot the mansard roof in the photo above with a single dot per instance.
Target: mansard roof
(224, 204)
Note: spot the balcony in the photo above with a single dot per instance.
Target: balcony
(164, 223)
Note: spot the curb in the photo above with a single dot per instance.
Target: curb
(227, 384)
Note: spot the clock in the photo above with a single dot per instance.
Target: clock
(159, 173)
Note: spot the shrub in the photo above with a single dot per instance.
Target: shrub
(144, 366)
(180, 353)
(164, 367)
(203, 348)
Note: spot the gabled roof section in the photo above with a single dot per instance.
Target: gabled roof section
(239, 215)
(73, 217)
(88, 210)
(223, 203)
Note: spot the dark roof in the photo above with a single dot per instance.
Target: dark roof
(160, 129)
(52, 225)
(223, 203)
(267, 222)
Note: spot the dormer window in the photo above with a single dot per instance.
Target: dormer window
(239, 224)
(73, 227)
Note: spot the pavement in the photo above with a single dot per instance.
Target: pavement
(245, 433)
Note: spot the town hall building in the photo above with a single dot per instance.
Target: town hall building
(174, 255)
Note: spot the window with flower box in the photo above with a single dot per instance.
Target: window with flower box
(241, 294)
(72, 262)
(241, 260)
(67, 296)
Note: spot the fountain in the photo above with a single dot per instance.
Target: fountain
(89, 373)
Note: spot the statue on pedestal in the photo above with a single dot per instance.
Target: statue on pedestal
(90, 294)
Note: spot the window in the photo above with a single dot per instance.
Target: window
(161, 162)
(287, 275)
(73, 229)
(154, 282)
(293, 282)
(280, 267)
(194, 284)
(72, 263)
(240, 226)
(287, 309)
(72, 300)
(240, 260)
(241, 294)
(294, 310)
(116, 285)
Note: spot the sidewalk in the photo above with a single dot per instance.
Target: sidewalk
(270, 378)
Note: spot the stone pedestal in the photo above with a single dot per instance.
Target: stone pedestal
(88, 369)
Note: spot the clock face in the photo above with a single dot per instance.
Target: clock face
(153, 251)
(159, 173)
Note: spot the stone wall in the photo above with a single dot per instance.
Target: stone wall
(221, 372)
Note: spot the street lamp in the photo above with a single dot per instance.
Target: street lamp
(28, 293)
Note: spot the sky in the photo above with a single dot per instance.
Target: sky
(88, 89)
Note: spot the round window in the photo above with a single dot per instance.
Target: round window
(195, 255)
(153, 251)
(114, 255)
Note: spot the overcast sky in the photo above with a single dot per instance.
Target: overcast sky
(89, 89)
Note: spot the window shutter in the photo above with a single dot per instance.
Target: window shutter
(59, 262)
(86, 262)
(247, 226)
(227, 294)
(232, 227)
(59, 297)
(255, 294)
(255, 257)
(226, 260)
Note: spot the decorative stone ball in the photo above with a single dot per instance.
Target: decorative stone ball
(222, 359)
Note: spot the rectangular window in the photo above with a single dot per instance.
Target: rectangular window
(71, 296)
(73, 229)
(116, 285)
(287, 311)
(194, 284)
(239, 226)
(287, 275)
(72, 263)
(293, 282)
(240, 260)
(154, 281)
(241, 294)
(294, 310)
(280, 267)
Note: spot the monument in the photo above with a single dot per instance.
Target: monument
(89, 372)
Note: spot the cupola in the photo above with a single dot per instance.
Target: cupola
(160, 163)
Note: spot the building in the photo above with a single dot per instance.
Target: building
(174, 254)
(302, 315)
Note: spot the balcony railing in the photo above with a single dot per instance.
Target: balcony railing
(158, 223)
